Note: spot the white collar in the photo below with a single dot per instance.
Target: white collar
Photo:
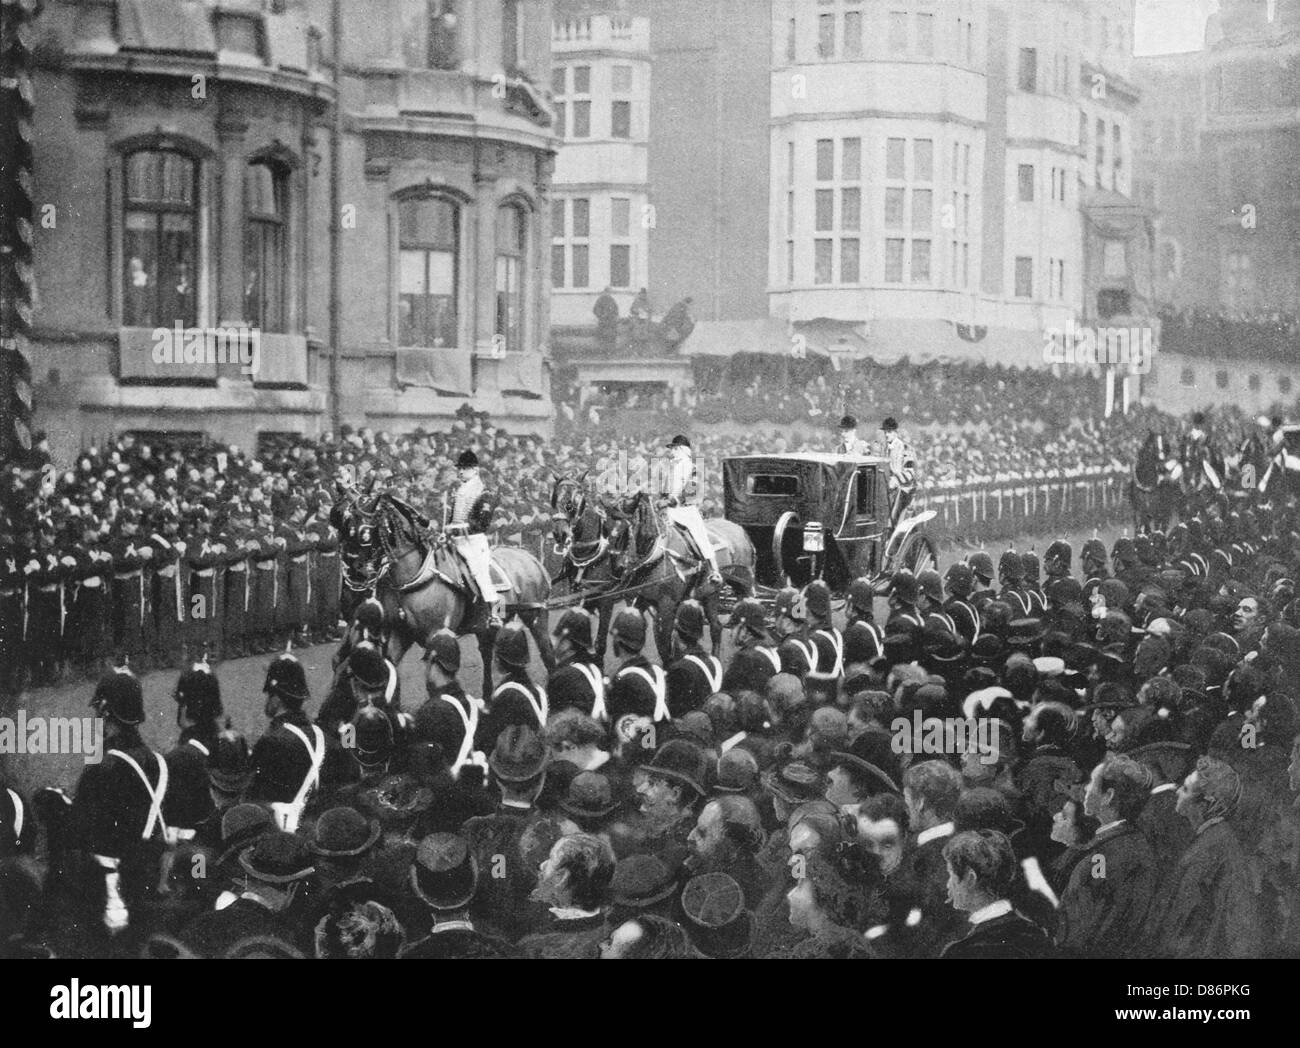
(572, 913)
(522, 805)
(944, 829)
(991, 911)
(1108, 826)
(1165, 788)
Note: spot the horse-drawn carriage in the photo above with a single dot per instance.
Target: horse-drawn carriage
(813, 515)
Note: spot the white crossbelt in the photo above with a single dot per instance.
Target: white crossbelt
(18, 814)
(540, 709)
(658, 683)
(837, 642)
(289, 815)
(597, 681)
(155, 817)
(712, 671)
(467, 754)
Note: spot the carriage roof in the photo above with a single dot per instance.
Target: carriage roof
(822, 489)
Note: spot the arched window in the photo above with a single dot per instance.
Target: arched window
(429, 266)
(266, 221)
(160, 243)
(512, 247)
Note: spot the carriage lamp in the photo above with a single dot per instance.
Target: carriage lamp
(814, 541)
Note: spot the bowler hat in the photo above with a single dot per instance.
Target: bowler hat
(589, 796)
(679, 761)
(278, 858)
(519, 754)
(344, 831)
(641, 881)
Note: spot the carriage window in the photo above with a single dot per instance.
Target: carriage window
(866, 492)
(773, 484)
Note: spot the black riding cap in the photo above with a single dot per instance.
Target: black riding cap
(467, 460)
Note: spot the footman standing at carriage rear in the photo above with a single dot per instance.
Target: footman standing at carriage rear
(902, 469)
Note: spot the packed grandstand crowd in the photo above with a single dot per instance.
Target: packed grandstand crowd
(1131, 711)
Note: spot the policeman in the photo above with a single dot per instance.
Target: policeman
(117, 814)
(930, 601)
(790, 628)
(1057, 561)
(287, 759)
(959, 583)
(516, 700)
(981, 565)
(578, 681)
(864, 641)
(822, 683)
(636, 685)
(756, 660)
(1011, 574)
(449, 716)
(198, 714)
(693, 674)
(1032, 584)
(903, 596)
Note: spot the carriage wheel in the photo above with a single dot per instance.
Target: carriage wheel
(787, 551)
(918, 554)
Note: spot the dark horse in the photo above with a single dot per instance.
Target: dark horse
(423, 588)
(663, 569)
(1153, 490)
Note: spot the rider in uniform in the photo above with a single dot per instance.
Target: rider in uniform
(679, 500)
(466, 528)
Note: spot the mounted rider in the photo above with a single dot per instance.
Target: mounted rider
(902, 469)
(678, 491)
(466, 527)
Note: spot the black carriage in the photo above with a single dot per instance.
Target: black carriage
(824, 516)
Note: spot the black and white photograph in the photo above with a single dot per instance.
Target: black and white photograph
(652, 479)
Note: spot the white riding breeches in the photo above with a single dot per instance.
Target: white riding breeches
(688, 517)
(477, 554)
